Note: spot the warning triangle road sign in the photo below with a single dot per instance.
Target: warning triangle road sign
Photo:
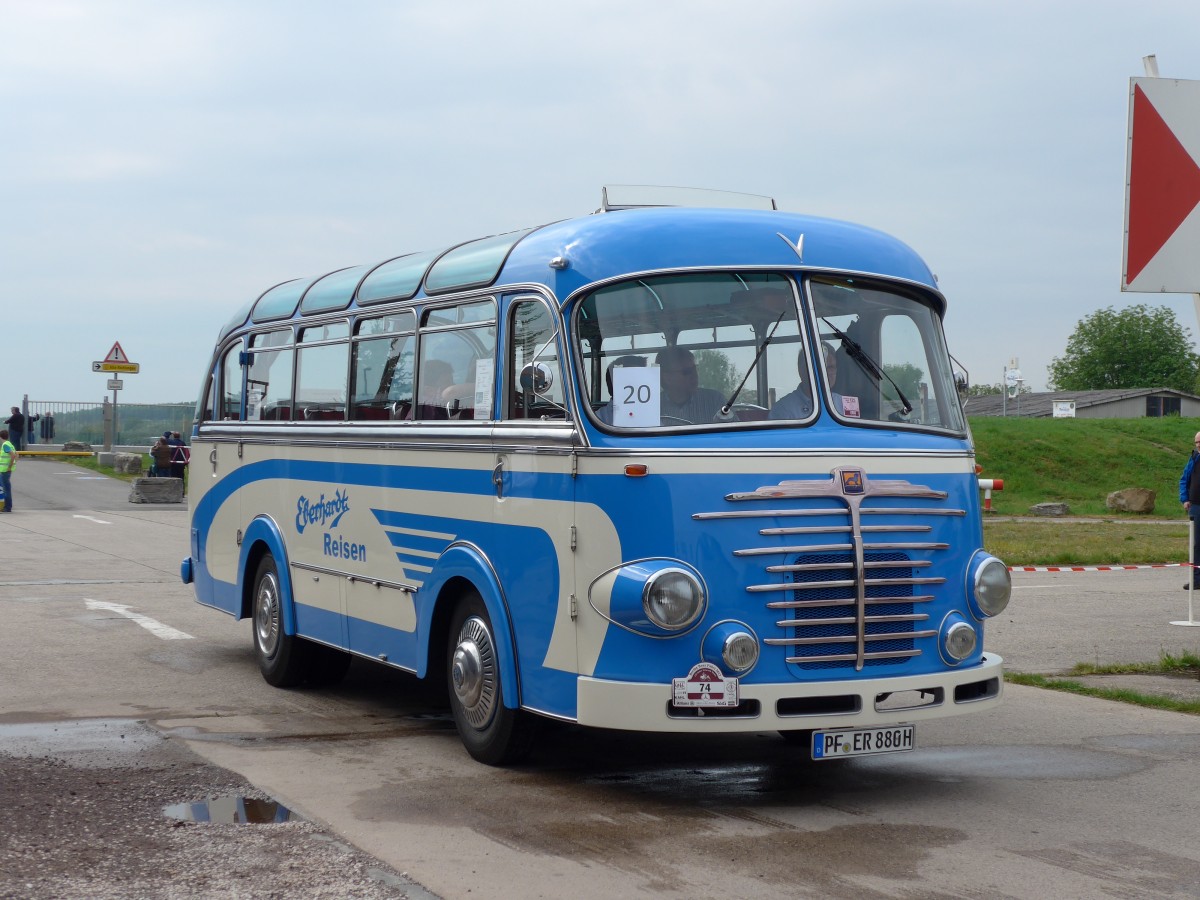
(116, 354)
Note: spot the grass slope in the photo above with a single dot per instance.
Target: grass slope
(1081, 461)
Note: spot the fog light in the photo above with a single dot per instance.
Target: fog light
(959, 641)
(740, 652)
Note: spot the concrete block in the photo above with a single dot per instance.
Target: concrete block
(156, 490)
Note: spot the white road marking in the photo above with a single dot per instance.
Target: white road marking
(92, 519)
(158, 629)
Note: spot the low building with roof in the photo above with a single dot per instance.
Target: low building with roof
(1121, 403)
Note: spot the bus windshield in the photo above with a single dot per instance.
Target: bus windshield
(723, 349)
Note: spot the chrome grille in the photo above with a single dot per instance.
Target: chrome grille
(847, 593)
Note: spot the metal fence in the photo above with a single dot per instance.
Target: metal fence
(56, 421)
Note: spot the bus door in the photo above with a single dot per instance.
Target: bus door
(535, 443)
(213, 491)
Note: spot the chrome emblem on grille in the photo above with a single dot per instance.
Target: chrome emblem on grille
(852, 481)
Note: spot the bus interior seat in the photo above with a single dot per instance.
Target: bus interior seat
(371, 412)
(319, 414)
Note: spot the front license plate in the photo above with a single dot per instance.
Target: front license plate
(862, 741)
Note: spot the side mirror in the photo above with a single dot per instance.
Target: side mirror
(536, 378)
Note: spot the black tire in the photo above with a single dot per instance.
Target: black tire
(327, 666)
(283, 659)
(492, 733)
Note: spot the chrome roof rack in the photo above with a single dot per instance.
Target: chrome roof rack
(635, 196)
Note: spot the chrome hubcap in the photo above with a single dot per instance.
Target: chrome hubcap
(473, 672)
(266, 615)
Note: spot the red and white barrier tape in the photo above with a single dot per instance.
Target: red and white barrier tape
(1095, 568)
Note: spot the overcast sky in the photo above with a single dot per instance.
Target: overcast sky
(163, 162)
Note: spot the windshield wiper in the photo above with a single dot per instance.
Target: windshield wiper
(868, 365)
(723, 414)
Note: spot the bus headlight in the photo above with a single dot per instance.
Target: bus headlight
(991, 586)
(660, 598)
(673, 599)
(958, 639)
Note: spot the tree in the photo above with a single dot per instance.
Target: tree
(716, 371)
(1137, 347)
(994, 390)
(907, 377)
(985, 390)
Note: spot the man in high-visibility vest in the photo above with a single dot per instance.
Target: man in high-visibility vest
(8, 459)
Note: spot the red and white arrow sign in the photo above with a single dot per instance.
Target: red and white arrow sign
(1162, 187)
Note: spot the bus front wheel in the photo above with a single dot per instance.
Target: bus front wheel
(282, 658)
(492, 733)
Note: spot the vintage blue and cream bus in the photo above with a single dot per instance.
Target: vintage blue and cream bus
(666, 467)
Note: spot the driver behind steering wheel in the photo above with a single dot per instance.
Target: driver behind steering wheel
(682, 397)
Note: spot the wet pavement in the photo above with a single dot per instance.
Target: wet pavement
(1049, 795)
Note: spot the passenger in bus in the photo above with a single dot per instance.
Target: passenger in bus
(798, 404)
(839, 403)
(683, 401)
(441, 397)
(605, 412)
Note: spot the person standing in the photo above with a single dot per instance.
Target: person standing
(160, 455)
(16, 426)
(179, 455)
(8, 459)
(1189, 496)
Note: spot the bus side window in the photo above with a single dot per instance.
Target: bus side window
(534, 388)
(456, 370)
(269, 377)
(383, 373)
(383, 378)
(321, 376)
(231, 384)
(449, 383)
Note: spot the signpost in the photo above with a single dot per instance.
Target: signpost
(1162, 187)
(115, 361)
(1162, 198)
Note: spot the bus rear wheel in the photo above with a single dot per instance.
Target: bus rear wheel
(282, 658)
(491, 732)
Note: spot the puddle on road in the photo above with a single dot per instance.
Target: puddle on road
(232, 810)
(1020, 762)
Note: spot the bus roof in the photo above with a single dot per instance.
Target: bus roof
(573, 254)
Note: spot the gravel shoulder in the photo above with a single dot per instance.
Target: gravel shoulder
(82, 815)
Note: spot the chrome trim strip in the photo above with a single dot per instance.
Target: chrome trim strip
(813, 548)
(848, 601)
(909, 511)
(849, 657)
(851, 638)
(349, 576)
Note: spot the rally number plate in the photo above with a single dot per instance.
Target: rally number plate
(704, 686)
(862, 741)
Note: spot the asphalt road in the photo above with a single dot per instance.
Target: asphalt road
(108, 717)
